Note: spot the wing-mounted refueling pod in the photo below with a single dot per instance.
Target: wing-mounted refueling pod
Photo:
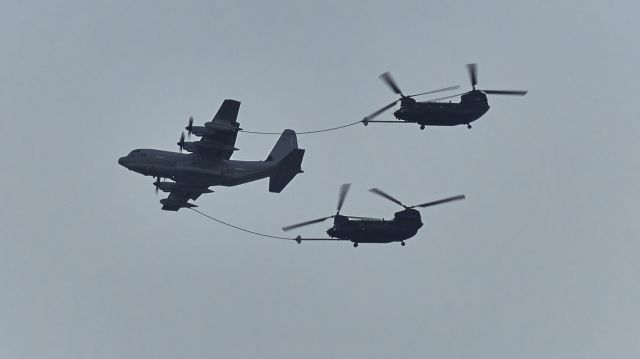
(174, 205)
(204, 144)
(167, 187)
(210, 128)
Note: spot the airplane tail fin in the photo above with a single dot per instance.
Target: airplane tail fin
(288, 158)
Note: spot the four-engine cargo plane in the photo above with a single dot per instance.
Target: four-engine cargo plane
(209, 162)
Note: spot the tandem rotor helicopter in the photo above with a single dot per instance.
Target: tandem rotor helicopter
(404, 225)
(473, 104)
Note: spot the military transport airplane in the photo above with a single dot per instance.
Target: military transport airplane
(209, 162)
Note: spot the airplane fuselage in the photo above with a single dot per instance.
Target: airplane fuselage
(193, 168)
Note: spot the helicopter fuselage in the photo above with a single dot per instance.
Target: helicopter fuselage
(471, 107)
(473, 104)
(404, 225)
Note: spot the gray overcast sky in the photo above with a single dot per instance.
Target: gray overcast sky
(540, 261)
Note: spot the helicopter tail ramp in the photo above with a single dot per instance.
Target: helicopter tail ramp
(288, 158)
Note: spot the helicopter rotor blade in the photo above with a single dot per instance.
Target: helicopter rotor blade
(364, 218)
(440, 201)
(472, 69)
(375, 114)
(302, 224)
(506, 92)
(438, 90)
(382, 193)
(344, 189)
(388, 79)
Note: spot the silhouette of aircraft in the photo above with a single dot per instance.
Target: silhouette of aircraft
(209, 164)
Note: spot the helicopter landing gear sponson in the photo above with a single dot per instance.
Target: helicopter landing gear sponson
(422, 127)
(468, 125)
(402, 243)
(355, 244)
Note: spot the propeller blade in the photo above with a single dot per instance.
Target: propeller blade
(440, 201)
(189, 127)
(181, 142)
(382, 193)
(388, 79)
(302, 224)
(375, 114)
(344, 189)
(472, 69)
(434, 91)
(157, 184)
(446, 97)
(505, 92)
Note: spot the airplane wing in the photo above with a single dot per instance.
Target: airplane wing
(218, 136)
(179, 194)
